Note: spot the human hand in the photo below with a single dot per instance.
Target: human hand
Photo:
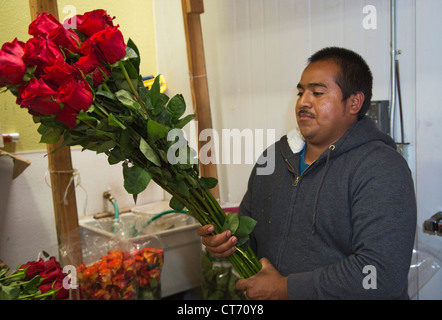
(267, 284)
(219, 246)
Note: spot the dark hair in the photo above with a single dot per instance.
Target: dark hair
(355, 75)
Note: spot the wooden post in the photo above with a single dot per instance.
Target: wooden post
(61, 172)
(192, 9)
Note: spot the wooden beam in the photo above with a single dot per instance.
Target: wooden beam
(40, 6)
(61, 172)
(194, 6)
(192, 9)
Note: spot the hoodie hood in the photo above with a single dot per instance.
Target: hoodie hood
(362, 132)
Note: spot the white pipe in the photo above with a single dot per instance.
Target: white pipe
(393, 61)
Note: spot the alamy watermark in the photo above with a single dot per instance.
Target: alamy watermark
(231, 146)
(70, 281)
(370, 21)
(368, 283)
(370, 280)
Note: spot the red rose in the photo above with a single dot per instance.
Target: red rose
(65, 38)
(76, 94)
(100, 74)
(12, 69)
(43, 25)
(61, 294)
(91, 22)
(15, 47)
(90, 64)
(38, 98)
(34, 268)
(52, 271)
(76, 97)
(68, 116)
(108, 45)
(57, 74)
(41, 52)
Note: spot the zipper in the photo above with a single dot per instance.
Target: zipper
(298, 177)
(295, 184)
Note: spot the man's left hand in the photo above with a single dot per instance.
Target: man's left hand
(267, 284)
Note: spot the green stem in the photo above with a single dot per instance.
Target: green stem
(49, 293)
(12, 276)
(128, 79)
(106, 87)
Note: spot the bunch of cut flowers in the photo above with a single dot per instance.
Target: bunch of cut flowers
(81, 82)
(123, 275)
(35, 280)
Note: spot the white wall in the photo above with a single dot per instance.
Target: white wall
(429, 128)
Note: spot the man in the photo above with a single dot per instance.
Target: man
(337, 218)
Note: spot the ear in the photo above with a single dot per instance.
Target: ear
(356, 101)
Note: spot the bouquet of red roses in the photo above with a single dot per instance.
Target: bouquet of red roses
(34, 280)
(84, 84)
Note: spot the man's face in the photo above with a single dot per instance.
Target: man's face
(321, 114)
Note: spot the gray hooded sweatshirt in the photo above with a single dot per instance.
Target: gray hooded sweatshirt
(345, 227)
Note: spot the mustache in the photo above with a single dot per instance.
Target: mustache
(307, 113)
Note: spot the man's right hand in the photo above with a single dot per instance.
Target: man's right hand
(219, 246)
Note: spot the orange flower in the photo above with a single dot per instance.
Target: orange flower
(116, 254)
(106, 276)
(114, 275)
(115, 264)
(90, 271)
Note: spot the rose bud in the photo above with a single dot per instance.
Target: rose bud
(38, 98)
(108, 45)
(43, 25)
(12, 69)
(91, 22)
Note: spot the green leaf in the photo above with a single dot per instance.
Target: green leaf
(231, 223)
(176, 204)
(124, 138)
(84, 116)
(125, 97)
(131, 71)
(182, 122)
(208, 182)
(241, 240)
(49, 135)
(183, 188)
(158, 99)
(156, 130)
(155, 90)
(176, 108)
(158, 107)
(9, 293)
(130, 54)
(106, 94)
(136, 179)
(135, 59)
(133, 46)
(32, 284)
(115, 156)
(149, 153)
(113, 121)
(105, 147)
(246, 226)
